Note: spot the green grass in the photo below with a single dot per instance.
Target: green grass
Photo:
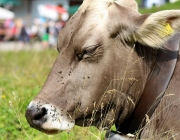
(138, 1)
(168, 6)
(22, 75)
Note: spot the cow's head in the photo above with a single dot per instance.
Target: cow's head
(97, 78)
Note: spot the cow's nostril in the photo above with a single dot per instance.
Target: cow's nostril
(36, 116)
(40, 113)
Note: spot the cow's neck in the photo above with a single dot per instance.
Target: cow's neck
(162, 65)
(139, 68)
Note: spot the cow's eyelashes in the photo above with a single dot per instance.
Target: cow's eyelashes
(91, 49)
(88, 51)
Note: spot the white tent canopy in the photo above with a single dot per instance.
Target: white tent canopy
(6, 14)
(50, 12)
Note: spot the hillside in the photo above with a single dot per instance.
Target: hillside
(168, 6)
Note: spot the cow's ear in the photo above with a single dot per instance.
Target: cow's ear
(158, 28)
(152, 30)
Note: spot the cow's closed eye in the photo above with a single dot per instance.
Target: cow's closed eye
(87, 52)
(91, 49)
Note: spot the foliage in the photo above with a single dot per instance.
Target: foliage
(22, 75)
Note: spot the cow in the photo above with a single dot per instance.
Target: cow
(110, 57)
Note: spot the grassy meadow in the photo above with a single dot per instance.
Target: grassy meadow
(22, 75)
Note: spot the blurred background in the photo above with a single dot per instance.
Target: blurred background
(28, 35)
(29, 21)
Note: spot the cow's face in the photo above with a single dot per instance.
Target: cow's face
(88, 84)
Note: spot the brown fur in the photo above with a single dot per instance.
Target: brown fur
(101, 86)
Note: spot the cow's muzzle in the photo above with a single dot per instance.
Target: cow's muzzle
(47, 118)
(36, 117)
